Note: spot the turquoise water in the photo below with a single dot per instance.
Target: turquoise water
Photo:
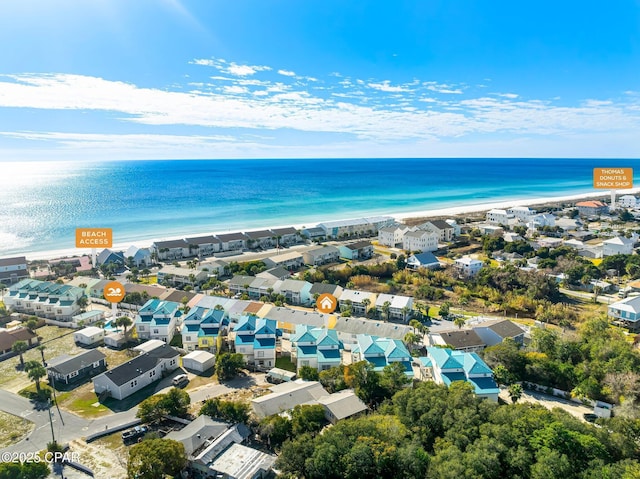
(43, 203)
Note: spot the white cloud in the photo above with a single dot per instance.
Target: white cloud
(387, 87)
(235, 89)
(511, 96)
(287, 73)
(244, 70)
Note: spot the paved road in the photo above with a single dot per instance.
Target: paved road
(68, 426)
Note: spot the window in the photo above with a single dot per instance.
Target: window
(155, 331)
(96, 364)
(73, 374)
(152, 373)
(261, 354)
(188, 338)
(134, 383)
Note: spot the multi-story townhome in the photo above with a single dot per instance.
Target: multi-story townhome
(158, 320)
(628, 201)
(318, 348)
(178, 276)
(420, 241)
(444, 230)
(172, 250)
(13, 270)
(291, 261)
(44, 299)
(321, 255)
(392, 236)
(381, 352)
(296, 292)
(592, 208)
(201, 328)
(233, 241)
(399, 307)
(360, 250)
(204, 245)
(356, 227)
(256, 341)
(541, 220)
(285, 236)
(357, 301)
(617, 245)
(260, 239)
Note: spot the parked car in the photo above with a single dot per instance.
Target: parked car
(134, 434)
(590, 417)
(180, 380)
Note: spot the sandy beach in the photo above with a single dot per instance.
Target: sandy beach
(451, 211)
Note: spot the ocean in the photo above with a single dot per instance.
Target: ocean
(43, 203)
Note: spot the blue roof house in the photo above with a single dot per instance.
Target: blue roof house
(448, 366)
(319, 348)
(201, 327)
(158, 320)
(255, 339)
(381, 352)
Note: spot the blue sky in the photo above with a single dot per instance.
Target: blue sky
(122, 79)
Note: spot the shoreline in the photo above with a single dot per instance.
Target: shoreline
(400, 217)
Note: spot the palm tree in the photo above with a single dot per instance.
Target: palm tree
(125, 322)
(411, 339)
(366, 302)
(460, 321)
(19, 347)
(35, 371)
(41, 348)
(415, 324)
(386, 310)
(405, 312)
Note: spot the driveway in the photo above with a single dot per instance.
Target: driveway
(549, 402)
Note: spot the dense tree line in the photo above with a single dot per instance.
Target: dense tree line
(434, 432)
(599, 364)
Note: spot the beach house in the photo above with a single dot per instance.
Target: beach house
(13, 269)
(447, 366)
(201, 328)
(296, 292)
(314, 234)
(179, 276)
(318, 348)
(467, 267)
(461, 340)
(626, 312)
(260, 239)
(494, 332)
(420, 241)
(617, 245)
(444, 231)
(356, 227)
(381, 352)
(291, 261)
(423, 260)
(233, 241)
(498, 217)
(158, 319)
(392, 236)
(628, 201)
(255, 339)
(522, 213)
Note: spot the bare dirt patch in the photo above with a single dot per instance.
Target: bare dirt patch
(13, 429)
(106, 457)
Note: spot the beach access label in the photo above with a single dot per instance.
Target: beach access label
(612, 178)
(113, 292)
(94, 238)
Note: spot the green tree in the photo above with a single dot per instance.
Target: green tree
(35, 372)
(176, 402)
(444, 310)
(151, 409)
(154, 458)
(228, 365)
(123, 322)
(333, 379)
(515, 392)
(274, 430)
(309, 373)
(19, 347)
(307, 419)
(386, 310)
(24, 470)
(41, 348)
(393, 378)
(32, 324)
(233, 411)
(460, 321)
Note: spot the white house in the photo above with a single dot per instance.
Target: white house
(285, 236)
(204, 245)
(171, 250)
(256, 341)
(89, 336)
(359, 250)
(420, 241)
(233, 241)
(617, 245)
(467, 266)
(521, 213)
(133, 375)
(541, 220)
(44, 299)
(176, 275)
(392, 236)
(628, 201)
(498, 217)
(400, 307)
(356, 227)
(291, 260)
(443, 230)
(286, 396)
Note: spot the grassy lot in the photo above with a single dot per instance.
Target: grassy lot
(57, 341)
(285, 363)
(197, 380)
(13, 429)
(149, 280)
(83, 402)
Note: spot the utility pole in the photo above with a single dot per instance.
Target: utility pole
(53, 437)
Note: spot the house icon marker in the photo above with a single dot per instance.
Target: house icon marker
(326, 303)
